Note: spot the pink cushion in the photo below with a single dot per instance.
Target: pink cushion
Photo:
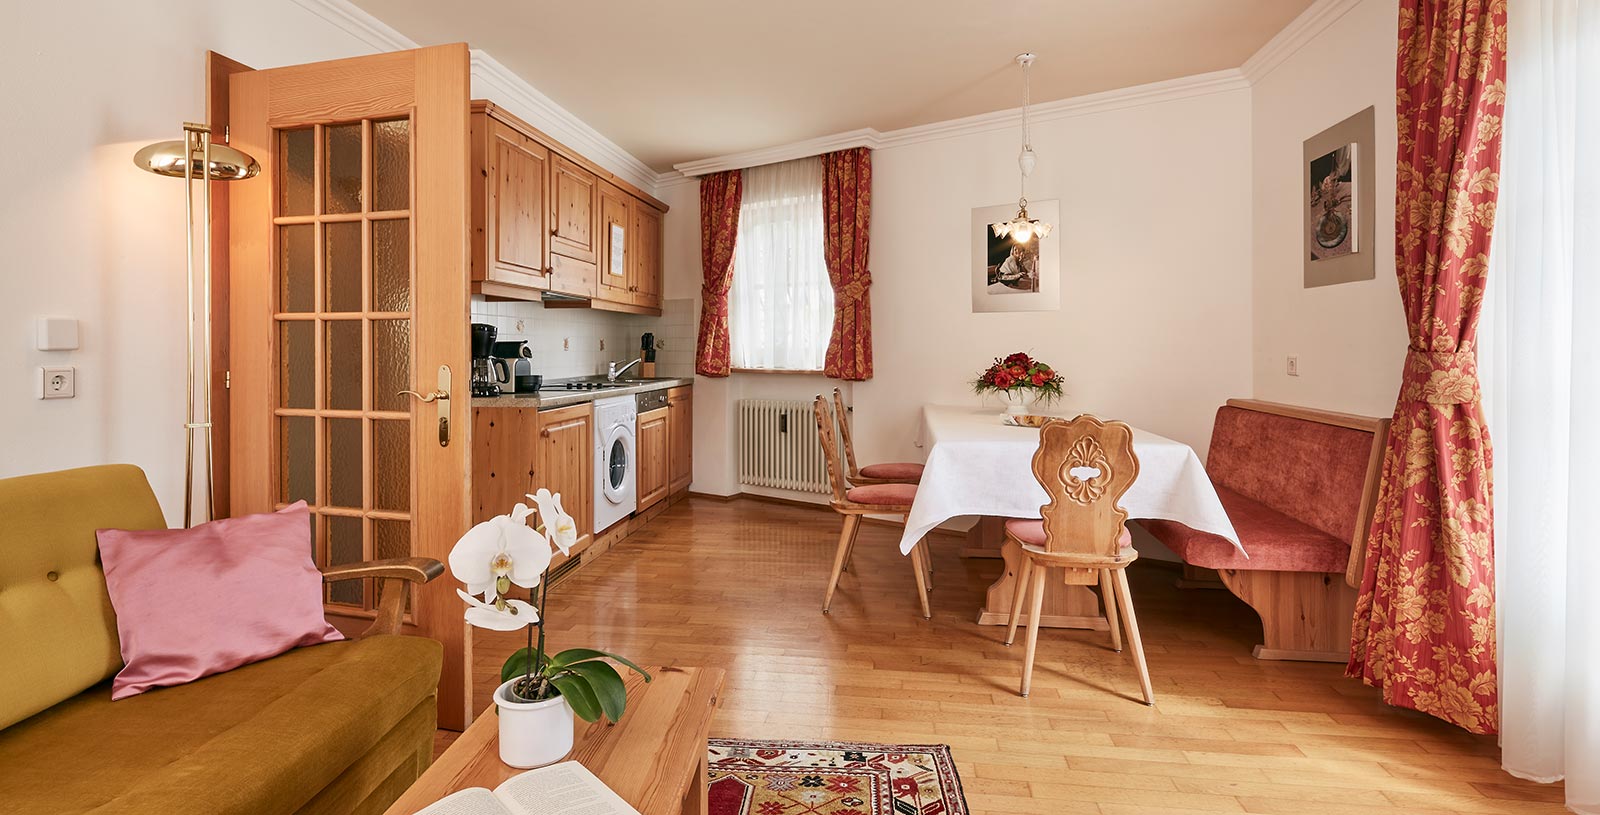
(196, 602)
(885, 495)
(893, 471)
(1309, 471)
(1031, 533)
(1275, 541)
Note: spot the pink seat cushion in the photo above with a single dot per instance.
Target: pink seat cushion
(1275, 541)
(893, 471)
(1031, 533)
(884, 495)
(195, 602)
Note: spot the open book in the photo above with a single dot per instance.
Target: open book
(567, 788)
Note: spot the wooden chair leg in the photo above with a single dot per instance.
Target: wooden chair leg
(919, 552)
(1108, 598)
(1018, 593)
(1126, 601)
(847, 537)
(850, 548)
(1037, 592)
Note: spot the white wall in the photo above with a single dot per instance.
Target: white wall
(1155, 321)
(88, 235)
(1350, 338)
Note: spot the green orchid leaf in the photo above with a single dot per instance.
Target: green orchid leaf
(576, 688)
(518, 664)
(607, 686)
(575, 655)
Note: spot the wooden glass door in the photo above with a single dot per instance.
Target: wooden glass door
(348, 283)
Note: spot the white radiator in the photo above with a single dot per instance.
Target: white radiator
(778, 446)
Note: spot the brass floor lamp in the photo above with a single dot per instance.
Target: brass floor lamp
(193, 158)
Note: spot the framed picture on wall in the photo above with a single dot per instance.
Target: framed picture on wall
(1011, 276)
(1338, 203)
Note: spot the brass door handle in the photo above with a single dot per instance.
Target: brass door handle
(440, 397)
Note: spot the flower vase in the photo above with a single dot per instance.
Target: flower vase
(533, 734)
(1017, 400)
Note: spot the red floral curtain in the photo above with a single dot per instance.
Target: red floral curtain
(1424, 629)
(846, 213)
(719, 229)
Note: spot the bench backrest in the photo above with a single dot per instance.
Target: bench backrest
(1316, 466)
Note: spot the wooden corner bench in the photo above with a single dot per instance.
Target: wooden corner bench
(1299, 485)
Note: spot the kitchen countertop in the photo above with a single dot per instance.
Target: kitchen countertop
(552, 399)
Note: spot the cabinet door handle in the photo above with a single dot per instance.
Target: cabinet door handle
(546, 431)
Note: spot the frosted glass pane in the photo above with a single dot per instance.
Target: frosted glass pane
(344, 463)
(344, 546)
(390, 539)
(341, 269)
(391, 265)
(391, 165)
(296, 268)
(391, 465)
(342, 190)
(297, 191)
(297, 459)
(297, 364)
(391, 364)
(343, 364)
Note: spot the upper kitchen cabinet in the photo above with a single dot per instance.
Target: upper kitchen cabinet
(546, 223)
(510, 187)
(573, 192)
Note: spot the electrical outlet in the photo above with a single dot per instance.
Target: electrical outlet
(1294, 366)
(566, 343)
(56, 383)
(602, 345)
(661, 345)
(521, 326)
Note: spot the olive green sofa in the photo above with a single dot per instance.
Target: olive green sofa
(341, 728)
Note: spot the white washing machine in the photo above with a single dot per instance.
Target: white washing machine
(615, 494)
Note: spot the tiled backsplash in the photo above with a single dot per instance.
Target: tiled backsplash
(568, 342)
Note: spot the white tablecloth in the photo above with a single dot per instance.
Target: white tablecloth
(979, 466)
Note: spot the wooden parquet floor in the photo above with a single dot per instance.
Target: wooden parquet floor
(739, 586)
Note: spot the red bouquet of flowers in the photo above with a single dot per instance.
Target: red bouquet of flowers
(1020, 372)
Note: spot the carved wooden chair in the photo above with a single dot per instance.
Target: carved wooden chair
(897, 472)
(853, 502)
(1085, 465)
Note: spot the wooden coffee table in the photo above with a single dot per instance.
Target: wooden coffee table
(655, 758)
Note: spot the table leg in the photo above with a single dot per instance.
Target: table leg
(1064, 606)
(695, 801)
(985, 537)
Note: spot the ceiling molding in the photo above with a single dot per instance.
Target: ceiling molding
(359, 24)
(497, 82)
(493, 81)
(1317, 18)
(1148, 94)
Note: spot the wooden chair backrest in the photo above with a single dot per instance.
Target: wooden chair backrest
(841, 415)
(1085, 465)
(830, 447)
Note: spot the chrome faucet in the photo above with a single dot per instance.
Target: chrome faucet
(612, 371)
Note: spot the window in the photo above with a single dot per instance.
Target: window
(780, 306)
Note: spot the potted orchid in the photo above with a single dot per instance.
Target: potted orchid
(539, 693)
(1021, 381)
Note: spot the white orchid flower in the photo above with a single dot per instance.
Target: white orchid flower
(558, 525)
(502, 615)
(498, 553)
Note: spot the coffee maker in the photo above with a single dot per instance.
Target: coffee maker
(488, 370)
(518, 357)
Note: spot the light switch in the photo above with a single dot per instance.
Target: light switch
(1294, 366)
(57, 334)
(57, 383)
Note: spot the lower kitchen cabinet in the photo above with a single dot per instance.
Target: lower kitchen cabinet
(654, 447)
(680, 443)
(566, 465)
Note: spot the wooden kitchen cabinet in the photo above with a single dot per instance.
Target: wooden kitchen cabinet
(616, 272)
(644, 257)
(509, 192)
(505, 459)
(565, 464)
(654, 457)
(680, 442)
(574, 192)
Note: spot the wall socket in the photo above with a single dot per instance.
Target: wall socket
(1294, 366)
(56, 383)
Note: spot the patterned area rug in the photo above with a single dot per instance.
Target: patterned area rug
(832, 778)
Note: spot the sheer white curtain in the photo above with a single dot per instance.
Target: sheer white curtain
(1540, 353)
(780, 309)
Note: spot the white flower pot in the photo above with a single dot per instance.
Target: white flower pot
(1017, 401)
(533, 734)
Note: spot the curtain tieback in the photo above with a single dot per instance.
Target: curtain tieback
(853, 292)
(1440, 377)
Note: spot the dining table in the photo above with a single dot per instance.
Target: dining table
(980, 465)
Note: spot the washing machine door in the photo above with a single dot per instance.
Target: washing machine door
(617, 459)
